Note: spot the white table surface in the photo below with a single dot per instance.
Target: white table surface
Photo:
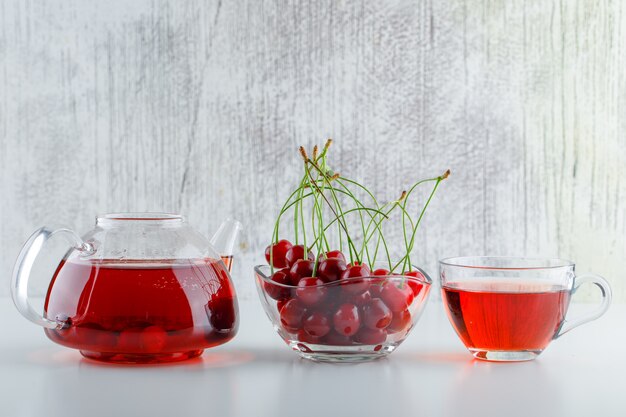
(431, 374)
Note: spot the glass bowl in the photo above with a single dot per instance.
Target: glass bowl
(349, 320)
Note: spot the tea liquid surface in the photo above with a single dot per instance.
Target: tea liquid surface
(142, 307)
(505, 316)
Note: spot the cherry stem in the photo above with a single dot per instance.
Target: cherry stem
(351, 211)
(406, 215)
(406, 259)
(381, 236)
(330, 205)
(301, 214)
(322, 182)
(277, 225)
(359, 203)
(320, 236)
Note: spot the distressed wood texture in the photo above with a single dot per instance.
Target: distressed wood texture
(198, 107)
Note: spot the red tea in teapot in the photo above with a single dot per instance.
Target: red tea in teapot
(142, 311)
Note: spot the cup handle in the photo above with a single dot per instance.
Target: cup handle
(23, 268)
(604, 287)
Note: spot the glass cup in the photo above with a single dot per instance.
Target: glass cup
(510, 309)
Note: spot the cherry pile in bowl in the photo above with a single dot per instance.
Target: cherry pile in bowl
(331, 305)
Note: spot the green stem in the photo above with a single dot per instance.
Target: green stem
(378, 228)
(358, 202)
(301, 215)
(277, 225)
(330, 205)
(348, 212)
(319, 235)
(406, 259)
(300, 191)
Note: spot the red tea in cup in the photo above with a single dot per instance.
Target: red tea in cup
(509, 309)
(505, 317)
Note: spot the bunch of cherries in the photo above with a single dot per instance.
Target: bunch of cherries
(352, 311)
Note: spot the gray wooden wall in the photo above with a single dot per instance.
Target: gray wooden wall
(198, 107)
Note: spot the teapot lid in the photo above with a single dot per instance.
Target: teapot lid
(128, 237)
(117, 218)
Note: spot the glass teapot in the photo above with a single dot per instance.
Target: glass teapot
(138, 288)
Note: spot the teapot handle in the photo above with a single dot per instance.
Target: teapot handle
(24, 265)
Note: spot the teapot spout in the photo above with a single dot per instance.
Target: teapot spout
(224, 239)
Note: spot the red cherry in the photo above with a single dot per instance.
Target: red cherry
(335, 254)
(376, 314)
(361, 299)
(311, 290)
(416, 274)
(355, 286)
(375, 288)
(130, 340)
(397, 295)
(303, 336)
(370, 336)
(376, 285)
(85, 333)
(317, 325)
(291, 315)
(105, 339)
(346, 319)
(415, 286)
(280, 304)
(278, 252)
(153, 339)
(222, 314)
(301, 269)
(331, 269)
(278, 292)
(401, 321)
(334, 298)
(296, 253)
(335, 339)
